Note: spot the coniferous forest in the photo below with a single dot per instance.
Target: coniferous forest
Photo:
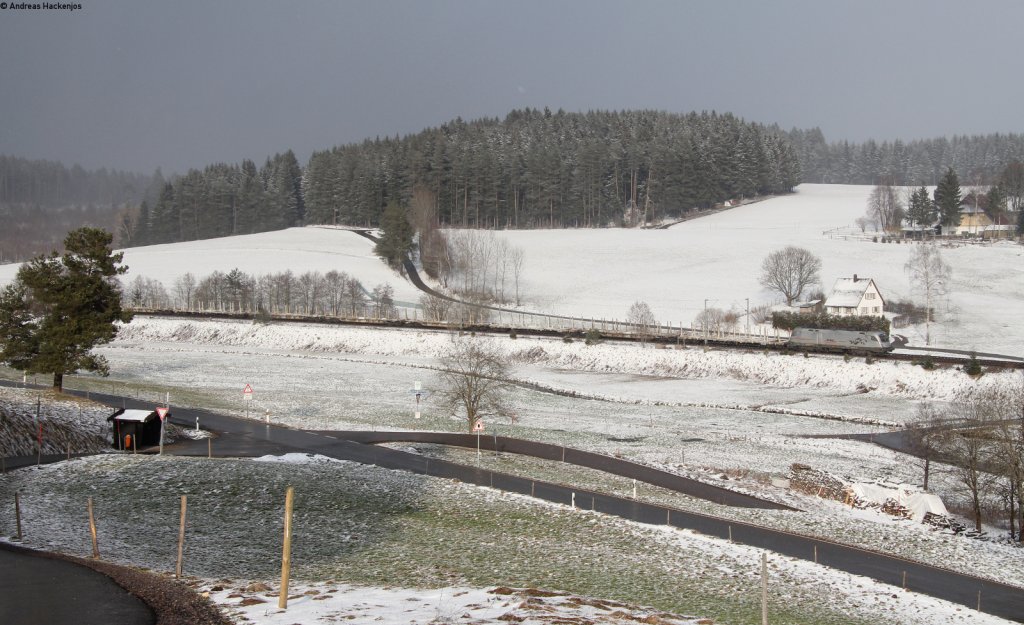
(532, 169)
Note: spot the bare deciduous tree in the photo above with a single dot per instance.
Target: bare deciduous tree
(789, 271)
(969, 446)
(710, 320)
(885, 207)
(184, 287)
(516, 262)
(642, 319)
(474, 380)
(435, 308)
(929, 275)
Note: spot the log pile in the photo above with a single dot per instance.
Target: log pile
(814, 482)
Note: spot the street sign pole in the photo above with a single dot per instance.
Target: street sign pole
(162, 413)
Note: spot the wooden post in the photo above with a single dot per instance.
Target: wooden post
(815, 554)
(286, 557)
(181, 537)
(764, 588)
(209, 448)
(979, 601)
(904, 580)
(92, 531)
(17, 512)
(730, 533)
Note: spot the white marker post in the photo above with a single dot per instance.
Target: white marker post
(419, 394)
(478, 427)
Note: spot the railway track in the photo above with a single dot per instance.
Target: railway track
(938, 357)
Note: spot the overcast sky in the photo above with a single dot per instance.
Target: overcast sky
(136, 85)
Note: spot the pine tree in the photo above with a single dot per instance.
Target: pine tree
(920, 212)
(396, 242)
(995, 206)
(947, 199)
(75, 303)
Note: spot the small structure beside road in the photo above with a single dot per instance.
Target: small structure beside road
(135, 428)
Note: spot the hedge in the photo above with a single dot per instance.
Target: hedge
(785, 320)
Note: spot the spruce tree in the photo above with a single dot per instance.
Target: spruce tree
(920, 212)
(947, 199)
(61, 307)
(395, 242)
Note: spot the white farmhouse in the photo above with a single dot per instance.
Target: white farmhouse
(855, 296)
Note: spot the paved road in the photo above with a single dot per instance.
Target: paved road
(36, 590)
(239, 437)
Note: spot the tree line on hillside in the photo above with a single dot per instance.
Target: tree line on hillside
(534, 168)
(554, 169)
(978, 160)
(41, 201)
(219, 200)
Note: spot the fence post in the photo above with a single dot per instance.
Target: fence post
(17, 512)
(181, 537)
(286, 557)
(764, 588)
(92, 531)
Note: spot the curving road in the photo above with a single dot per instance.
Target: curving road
(36, 589)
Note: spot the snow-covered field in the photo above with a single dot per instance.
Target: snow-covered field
(717, 259)
(320, 249)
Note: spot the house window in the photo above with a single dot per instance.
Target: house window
(878, 309)
(869, 296)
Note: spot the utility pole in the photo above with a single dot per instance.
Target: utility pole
(705, 324)
(748, 315)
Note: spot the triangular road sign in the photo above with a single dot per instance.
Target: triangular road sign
(161, 412)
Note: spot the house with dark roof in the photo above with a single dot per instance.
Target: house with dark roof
(855, 297)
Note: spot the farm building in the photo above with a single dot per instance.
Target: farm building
(855, 296)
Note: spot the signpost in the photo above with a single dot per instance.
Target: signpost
(420, 394)
(478, 427)
(162, 413)
(247, 396)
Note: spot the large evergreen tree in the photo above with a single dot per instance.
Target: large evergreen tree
(921, 209)
(61, 307)
(947, 199)
(396, 242)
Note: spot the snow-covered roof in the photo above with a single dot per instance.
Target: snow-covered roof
(848, 292)
(134, 415)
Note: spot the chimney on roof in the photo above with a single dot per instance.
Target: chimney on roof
(854, 277)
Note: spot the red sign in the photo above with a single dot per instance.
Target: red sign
(247, 392)
(478, 426)
(161, 412)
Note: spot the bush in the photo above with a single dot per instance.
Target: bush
(869, 359)
(512, 334)
(592, 337)
(973, 367)
(785, 320)
(926, 363)
(567, 339)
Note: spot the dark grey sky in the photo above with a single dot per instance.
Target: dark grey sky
(136, 85)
